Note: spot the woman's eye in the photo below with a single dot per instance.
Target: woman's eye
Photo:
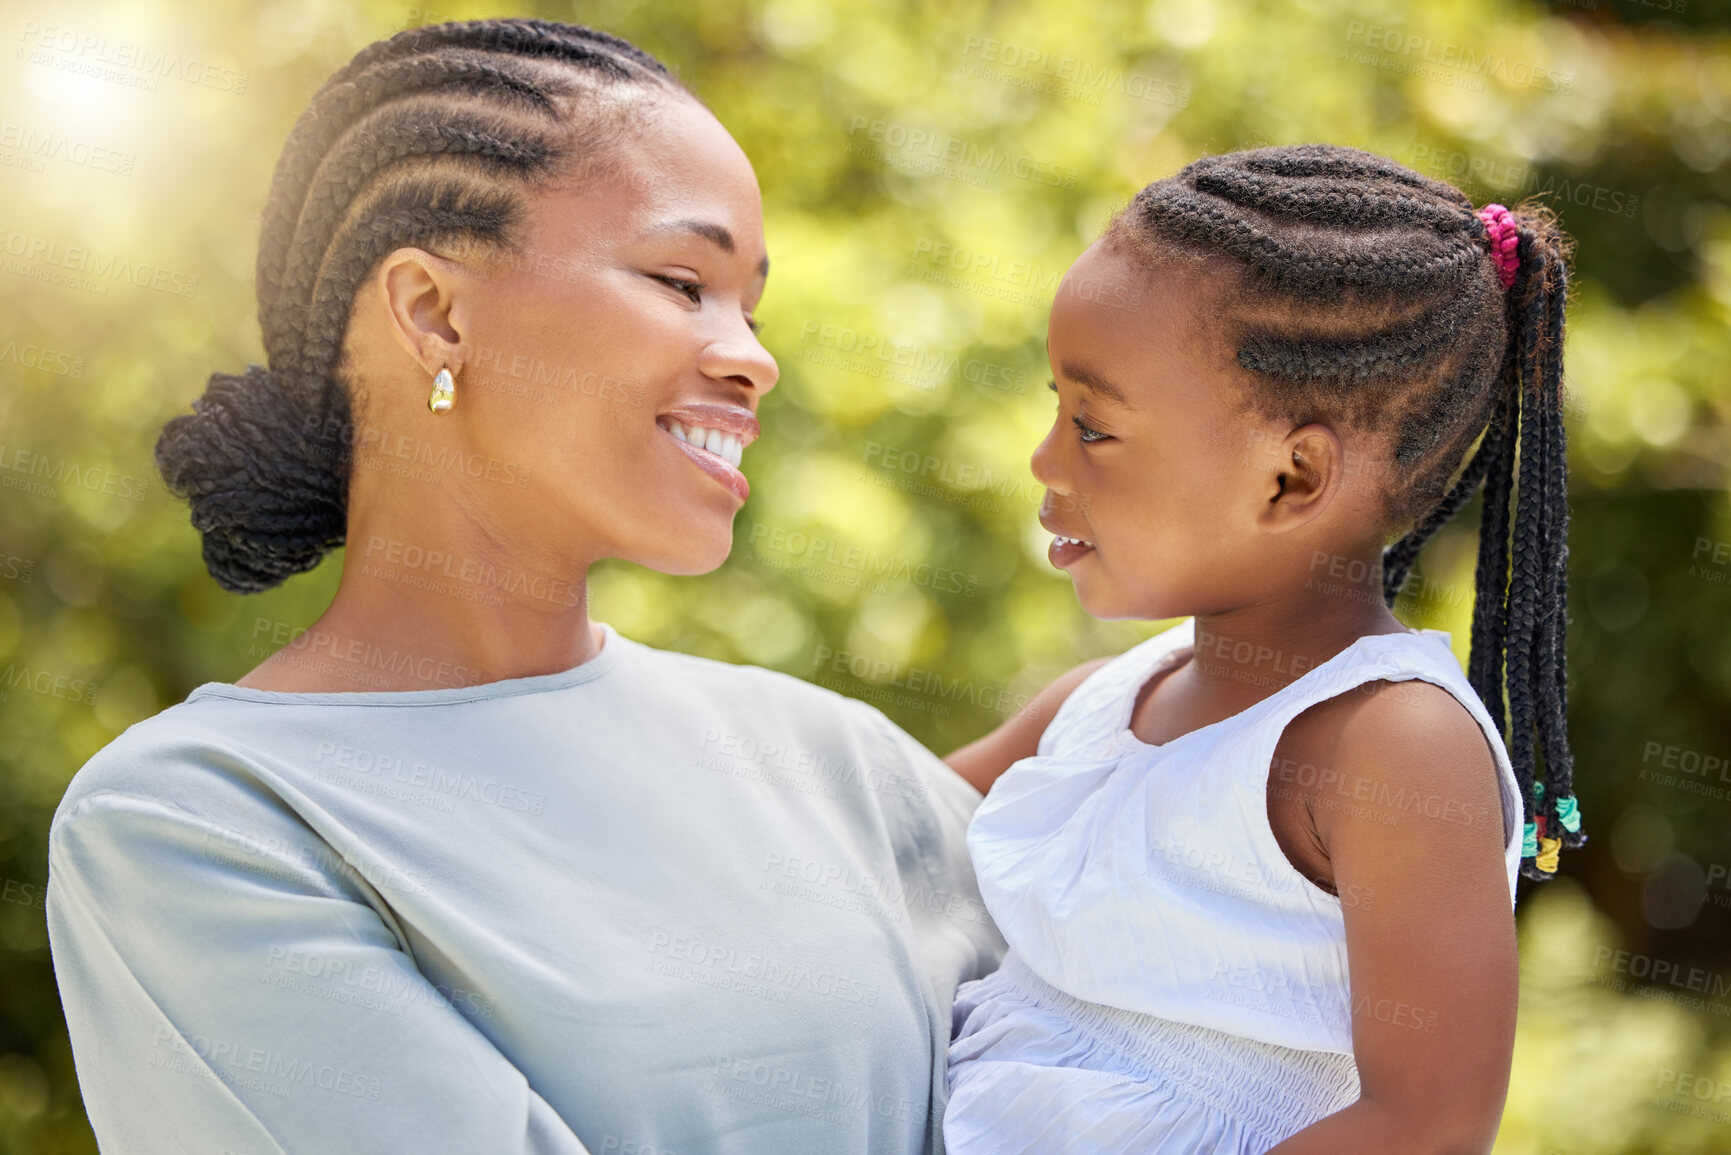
(1089, 435)
(753, 323)
(692, 289)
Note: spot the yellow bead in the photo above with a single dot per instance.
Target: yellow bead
(1546, 858)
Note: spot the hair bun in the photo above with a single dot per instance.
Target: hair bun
(266, 476)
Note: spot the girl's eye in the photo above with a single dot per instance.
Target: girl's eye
(692, 289)
(753, 323)
(1089, 436)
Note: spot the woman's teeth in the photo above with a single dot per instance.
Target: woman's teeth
(726, 446)
(1062, 540)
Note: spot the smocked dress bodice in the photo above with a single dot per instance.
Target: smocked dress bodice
(1173, 983)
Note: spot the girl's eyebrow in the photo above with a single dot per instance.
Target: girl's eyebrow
(1094, 383)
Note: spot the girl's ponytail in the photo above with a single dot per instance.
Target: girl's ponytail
(1520, 613)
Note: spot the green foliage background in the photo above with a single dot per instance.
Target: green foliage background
(889, 138)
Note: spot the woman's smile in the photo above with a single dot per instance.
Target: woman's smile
(714, 437)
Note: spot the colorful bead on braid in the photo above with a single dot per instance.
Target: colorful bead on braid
(1505, 236)
(1542, 850)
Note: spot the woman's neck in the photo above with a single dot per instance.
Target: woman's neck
(464, 608)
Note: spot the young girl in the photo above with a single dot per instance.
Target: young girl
(1268, 366)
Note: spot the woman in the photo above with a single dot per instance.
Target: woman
(463, 870)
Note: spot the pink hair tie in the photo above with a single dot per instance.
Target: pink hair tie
(1505, 235)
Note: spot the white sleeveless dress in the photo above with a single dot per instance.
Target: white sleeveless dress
(1174, 984)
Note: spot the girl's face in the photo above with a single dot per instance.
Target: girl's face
(610, 373)
(1149, 462)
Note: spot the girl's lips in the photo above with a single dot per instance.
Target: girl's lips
(1066, 552)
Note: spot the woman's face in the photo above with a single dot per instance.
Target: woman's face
(1150, 462)
(609, 372)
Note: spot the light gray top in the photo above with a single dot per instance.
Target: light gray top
(651, 905)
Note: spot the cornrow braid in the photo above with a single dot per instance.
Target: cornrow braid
(1365, 294)
(430, 137)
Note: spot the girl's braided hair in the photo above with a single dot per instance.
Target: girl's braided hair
(1365, 295)
(428, 138)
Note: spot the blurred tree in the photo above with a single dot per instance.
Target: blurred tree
(929, 172)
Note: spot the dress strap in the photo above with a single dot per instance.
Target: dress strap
(1085, 724)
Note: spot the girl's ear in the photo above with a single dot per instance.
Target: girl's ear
(1305, 473)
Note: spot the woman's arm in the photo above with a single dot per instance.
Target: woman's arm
(982, 760)
(1416, 840)
(227, 987)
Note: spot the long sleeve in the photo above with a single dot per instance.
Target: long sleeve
(956, 937)
(960, 938)
(228, 986)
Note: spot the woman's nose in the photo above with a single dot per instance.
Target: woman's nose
(742, 357)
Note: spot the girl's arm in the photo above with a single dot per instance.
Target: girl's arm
(982, 760)
(1411, 820)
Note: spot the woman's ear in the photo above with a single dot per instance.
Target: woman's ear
(1308, 467)
(423, 297)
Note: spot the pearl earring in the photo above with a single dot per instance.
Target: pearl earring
(444, 394)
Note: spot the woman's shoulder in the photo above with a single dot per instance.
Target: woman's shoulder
(169, 758)
(762, 692)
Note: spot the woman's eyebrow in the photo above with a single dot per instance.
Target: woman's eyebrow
(719, 234)
(1094, 383)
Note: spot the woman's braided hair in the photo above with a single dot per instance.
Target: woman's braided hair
(1365, 295)
(428, 138)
